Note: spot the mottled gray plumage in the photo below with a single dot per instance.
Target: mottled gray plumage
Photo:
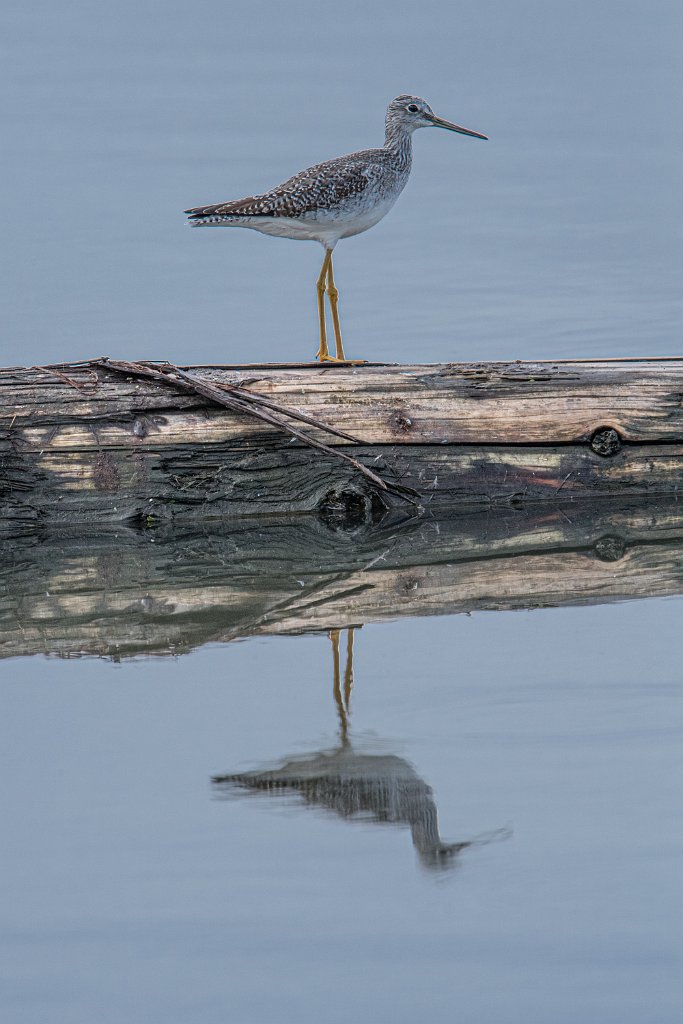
(335, 199)
(325, 185)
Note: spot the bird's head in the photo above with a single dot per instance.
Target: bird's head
(411, 112)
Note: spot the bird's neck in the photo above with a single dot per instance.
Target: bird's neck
(400, 144)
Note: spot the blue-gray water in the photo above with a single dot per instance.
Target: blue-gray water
(560, 236)
(130, 891)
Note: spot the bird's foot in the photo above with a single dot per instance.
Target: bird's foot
(335, 359)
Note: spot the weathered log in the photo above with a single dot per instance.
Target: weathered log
(162, 591)
(86, 443)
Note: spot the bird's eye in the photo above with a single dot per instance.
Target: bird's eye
(413, 108)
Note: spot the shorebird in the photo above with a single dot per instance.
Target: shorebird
(335, 199)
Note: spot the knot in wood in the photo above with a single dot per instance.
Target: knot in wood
(605, 442)
(610, 548)
(348, 509)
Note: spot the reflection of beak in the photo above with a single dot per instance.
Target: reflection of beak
(439, 122)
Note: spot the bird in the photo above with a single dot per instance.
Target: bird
(335, 199)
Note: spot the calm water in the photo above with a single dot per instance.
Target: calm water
(131, 892)
(133, 887)
(560, 236)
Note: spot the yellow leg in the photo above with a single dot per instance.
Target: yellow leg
(323, 353)
(334, 306)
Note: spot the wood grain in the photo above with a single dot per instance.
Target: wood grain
(83, 443)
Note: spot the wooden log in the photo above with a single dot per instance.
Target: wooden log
(85, 443)
(163, 591)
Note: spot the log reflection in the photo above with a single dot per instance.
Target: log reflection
(353, 784)
(165, 592)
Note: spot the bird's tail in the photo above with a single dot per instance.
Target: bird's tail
(200, 216)
(237, 211)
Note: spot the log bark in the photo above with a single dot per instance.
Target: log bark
(123, 593)
(86, 443)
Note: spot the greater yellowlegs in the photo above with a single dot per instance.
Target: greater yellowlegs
(335, 199)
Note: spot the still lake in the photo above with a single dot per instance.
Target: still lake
(482, 821)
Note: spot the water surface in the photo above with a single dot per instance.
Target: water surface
(561, 236)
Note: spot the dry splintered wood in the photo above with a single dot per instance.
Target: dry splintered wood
(129, 592)
(92, 443)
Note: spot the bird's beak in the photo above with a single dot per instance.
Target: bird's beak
(439, 122)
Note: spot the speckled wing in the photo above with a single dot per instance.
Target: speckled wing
(326, 186)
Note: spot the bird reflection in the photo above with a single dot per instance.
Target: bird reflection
(373, 787)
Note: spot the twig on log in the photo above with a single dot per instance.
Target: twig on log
(253, 405)
(69, 380)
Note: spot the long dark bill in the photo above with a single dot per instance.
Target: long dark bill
(439, 122)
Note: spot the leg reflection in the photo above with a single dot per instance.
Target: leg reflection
(342, 697)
